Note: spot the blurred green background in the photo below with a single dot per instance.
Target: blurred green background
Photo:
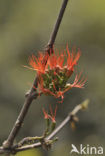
(25, 27)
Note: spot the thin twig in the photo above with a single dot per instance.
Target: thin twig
(8, 143)
(57, 24)
(70, 117)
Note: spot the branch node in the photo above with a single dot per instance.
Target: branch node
(6, 144)
(27, 93)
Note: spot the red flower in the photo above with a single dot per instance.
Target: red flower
(78, 83)
(37, 63)
(55, 61)
(52, 115)
(54, 74)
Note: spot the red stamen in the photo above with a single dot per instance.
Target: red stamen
(46, 116)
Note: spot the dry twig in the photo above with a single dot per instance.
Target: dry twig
(33, 92)
(70, 117)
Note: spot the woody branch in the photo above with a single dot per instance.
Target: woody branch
(70, 118)
(33, 92)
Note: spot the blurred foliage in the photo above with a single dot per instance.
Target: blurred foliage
(25, 27)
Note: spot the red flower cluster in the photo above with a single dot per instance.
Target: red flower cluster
(54, 74)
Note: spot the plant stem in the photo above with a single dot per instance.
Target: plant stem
(70, 117)
(16, 127)
(63, 123)
(57, 25)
